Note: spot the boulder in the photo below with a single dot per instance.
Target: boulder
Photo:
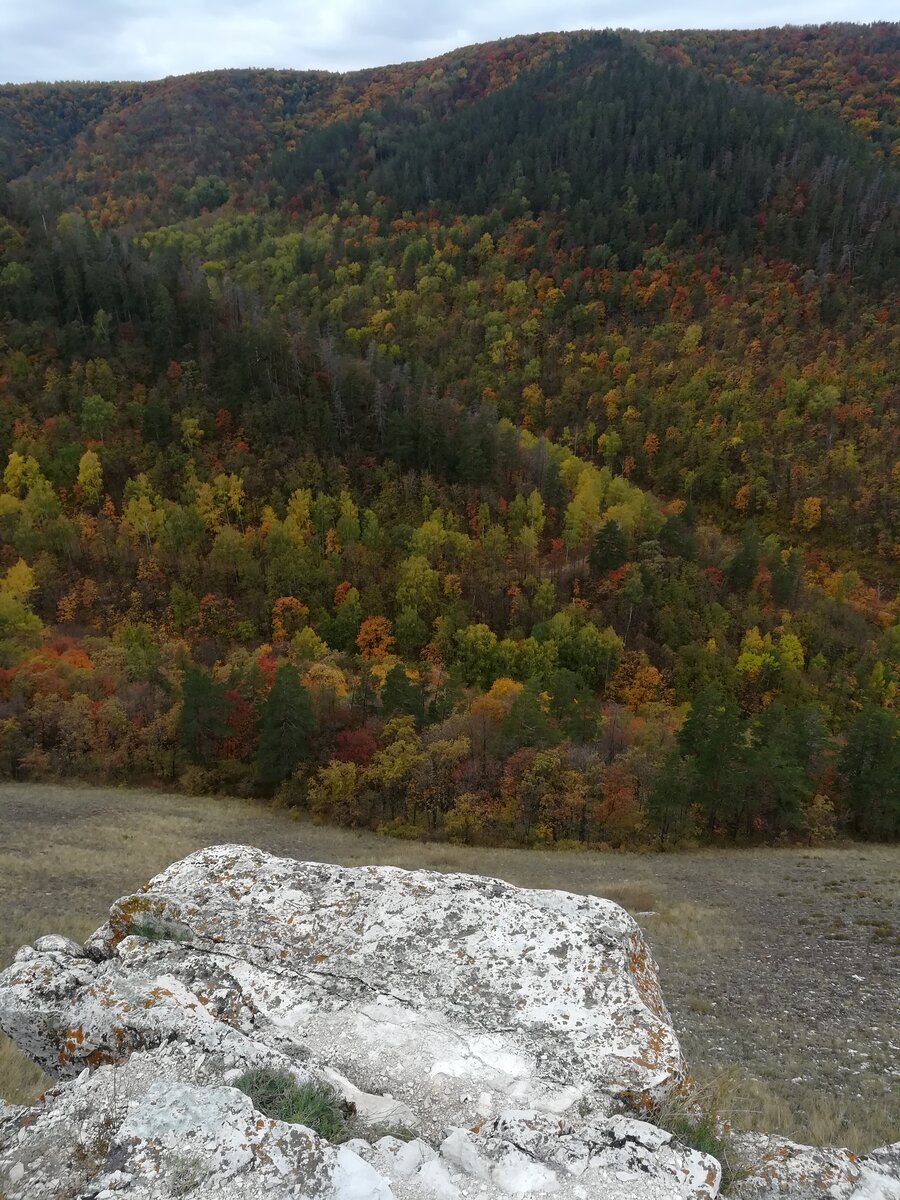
(459, 995)
(776, 1166)
(486, 1041)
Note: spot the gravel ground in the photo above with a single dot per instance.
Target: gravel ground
(781, 967)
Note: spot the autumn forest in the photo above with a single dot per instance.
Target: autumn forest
(503, 448)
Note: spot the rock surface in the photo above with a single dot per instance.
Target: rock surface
(461, 995)
(491, 1040)
(776, 1166)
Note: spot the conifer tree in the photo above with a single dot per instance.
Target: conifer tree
(286, 724)
(202, 718)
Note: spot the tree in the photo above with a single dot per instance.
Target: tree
(713, 744)
(741, 571)
(286, 725)
(411, 631)
(401, 696)
(289, 616)
(90, 476)
(572, 704)
(527, 723)
(869, 765)
(202, 719)
(417, 585)
(96, 414)
(669, 804)
(609, 549)
(374, 639)
(332, 795)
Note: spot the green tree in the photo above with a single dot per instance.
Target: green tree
(609, 549)
(410, 632)
(741, 570)
(96, 414)
(869, 766)
(400, 696)
(202, 719)
(712, 741)
(528, 723)
(286, 724)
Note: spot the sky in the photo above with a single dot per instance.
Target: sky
(148, 39)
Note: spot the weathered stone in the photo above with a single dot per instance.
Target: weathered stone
(776, 1166)
(459, 995)
(502, 1031)
(111, 1131)
(523, 1152)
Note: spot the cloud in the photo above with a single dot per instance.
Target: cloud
(147, 39)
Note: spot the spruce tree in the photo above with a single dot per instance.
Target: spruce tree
(610, 549)
(202, 718)
(286, 724)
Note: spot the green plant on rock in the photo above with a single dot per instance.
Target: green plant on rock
(278, 1095)
(159, 933)
(696, 1121)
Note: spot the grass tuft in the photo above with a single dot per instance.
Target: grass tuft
(698, 1122)
(278, 1095)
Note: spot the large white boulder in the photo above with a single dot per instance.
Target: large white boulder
(459, 995)
(492, 1041)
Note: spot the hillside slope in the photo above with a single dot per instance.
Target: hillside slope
(459, 425)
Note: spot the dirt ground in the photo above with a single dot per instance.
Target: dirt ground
(781, 967)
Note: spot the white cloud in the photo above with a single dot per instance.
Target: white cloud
(146, 39)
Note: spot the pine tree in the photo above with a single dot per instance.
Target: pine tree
(202, 718)
(870, 766)
(610, 550)
(286, 725)
(401, 696)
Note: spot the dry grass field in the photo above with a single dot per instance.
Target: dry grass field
(781, 967)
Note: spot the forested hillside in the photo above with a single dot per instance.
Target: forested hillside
(503, 447)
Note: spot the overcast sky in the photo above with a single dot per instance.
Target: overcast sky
(147, 39)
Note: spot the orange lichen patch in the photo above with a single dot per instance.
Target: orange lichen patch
(98, 1058)
(320, 958)
(655, 1042)
(260, 1123)
(643, 972)
(74, 1038)
(94, 1058)
(710, 1177)
(156, 993)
